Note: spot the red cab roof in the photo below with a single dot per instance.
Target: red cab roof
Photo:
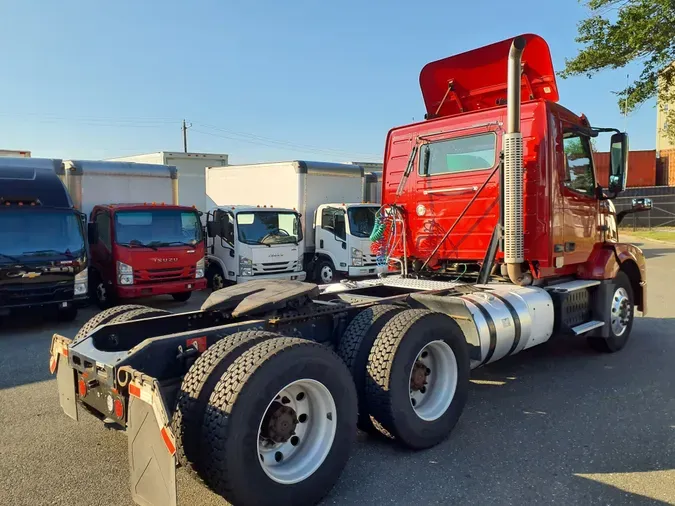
(477, 79)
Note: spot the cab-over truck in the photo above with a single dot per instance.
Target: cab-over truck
(502, 239)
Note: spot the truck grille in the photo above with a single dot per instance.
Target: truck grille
(33, 293)
(274, 267)
(142, 276)
(369, 260)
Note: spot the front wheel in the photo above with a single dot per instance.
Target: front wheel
(182, 296)
(102, 293)
(279, 425)
(621, 312)
(326, 272)
(215, 278)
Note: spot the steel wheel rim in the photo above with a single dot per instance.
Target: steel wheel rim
(326, 274)
(437, 362)
(297, 458)
(621, 311)
(217, 282)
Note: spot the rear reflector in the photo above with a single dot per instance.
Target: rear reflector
(52, 364)
(134, 390)
(166, 436)
(82, 388)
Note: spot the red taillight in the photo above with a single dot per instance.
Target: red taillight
(82, 388)
(52, 364)
(119, 408)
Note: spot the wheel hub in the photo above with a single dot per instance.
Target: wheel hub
(280, 423)
(621, 311)
(418, 377)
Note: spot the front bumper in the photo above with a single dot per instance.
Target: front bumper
(289, 276)
(149, 290)
(35, 295)
(368, 270)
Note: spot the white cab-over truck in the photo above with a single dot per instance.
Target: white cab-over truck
(333, 240)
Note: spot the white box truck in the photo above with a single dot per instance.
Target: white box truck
(191, 167)
(15, 153)
(328, 197)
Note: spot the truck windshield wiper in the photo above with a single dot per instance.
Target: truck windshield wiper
(49, 252)
(258, 243)
(176, 243)
(136, 242)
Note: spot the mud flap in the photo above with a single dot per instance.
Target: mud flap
(66, 383)
(152, 466)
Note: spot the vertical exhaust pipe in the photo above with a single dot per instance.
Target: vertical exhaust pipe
(514, 252)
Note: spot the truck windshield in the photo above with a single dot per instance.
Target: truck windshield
(361, 220)
(157, 228)
(27, 234)
(265, 227)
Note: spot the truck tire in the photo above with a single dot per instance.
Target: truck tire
(354, 348)
(138, 314)
(104, 317)
(181, 296)
(101, 293)
(326, 273)
(418, 377)
(279, 425)
(621, 312)
(198, 385)
(215, 278)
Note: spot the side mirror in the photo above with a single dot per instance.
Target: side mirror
(211, 229)
(618, 172)
(641, 204)
(92, 233)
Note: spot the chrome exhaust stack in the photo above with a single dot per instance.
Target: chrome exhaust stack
(514, 253)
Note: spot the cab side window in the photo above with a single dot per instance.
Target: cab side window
(103, 225)
(578, 163)
(333, 220)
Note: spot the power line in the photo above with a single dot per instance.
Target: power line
(322, 151)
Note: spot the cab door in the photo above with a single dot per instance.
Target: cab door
(580, 202)
(101, 253)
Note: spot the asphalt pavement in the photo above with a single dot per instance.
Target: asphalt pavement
(556, 424)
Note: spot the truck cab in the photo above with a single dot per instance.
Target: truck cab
(143, 250)
(43, 254)
(342, 241)
(448, 175)
(253, 242)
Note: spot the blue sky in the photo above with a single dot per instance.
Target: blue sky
(260, 80)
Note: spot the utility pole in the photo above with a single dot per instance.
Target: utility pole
(184, 128)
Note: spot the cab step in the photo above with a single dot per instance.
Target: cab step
(587, 327)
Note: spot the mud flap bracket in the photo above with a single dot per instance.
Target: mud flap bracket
(152, 466)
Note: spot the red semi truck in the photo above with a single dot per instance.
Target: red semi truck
(502, 239)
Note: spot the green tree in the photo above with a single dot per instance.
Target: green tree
(618, 32)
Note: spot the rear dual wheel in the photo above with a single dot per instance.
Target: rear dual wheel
(278, 421)
(416, 378)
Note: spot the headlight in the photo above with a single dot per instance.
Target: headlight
(123, 268)
(81, 282)
(357, 257)
(126, 279)
(245, 266)
(199, 271)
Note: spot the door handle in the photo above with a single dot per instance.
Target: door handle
(450, 190)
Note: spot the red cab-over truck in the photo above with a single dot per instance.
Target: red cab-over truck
(140, 249)
(501, 238)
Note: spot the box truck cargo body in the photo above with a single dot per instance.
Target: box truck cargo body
(93, 182)
(15, 153)
(322, 193)
(191, 167)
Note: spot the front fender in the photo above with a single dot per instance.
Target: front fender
(607, 260)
